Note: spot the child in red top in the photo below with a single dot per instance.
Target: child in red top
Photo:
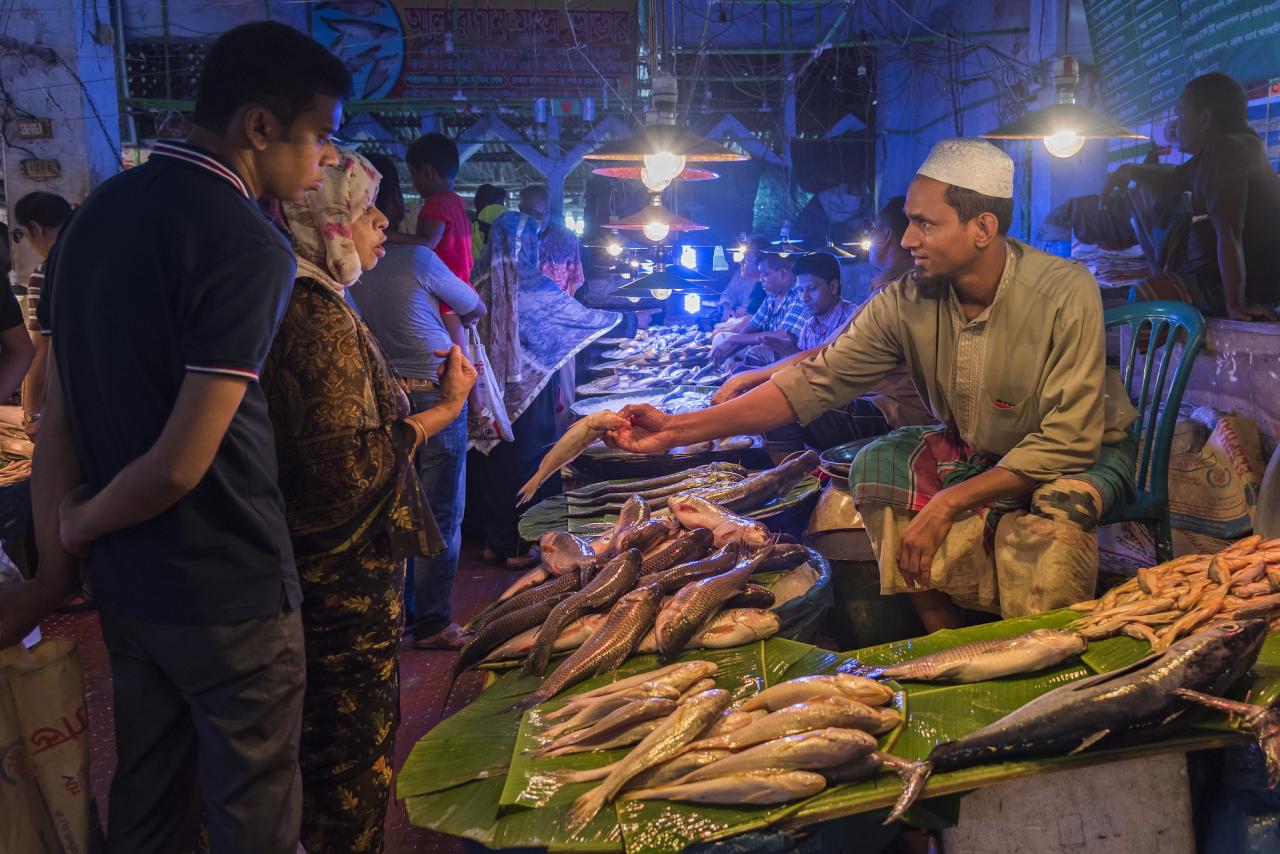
(444, 227)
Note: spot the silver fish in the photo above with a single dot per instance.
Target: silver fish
(670, 738)
(729, 628)
(805, 751)
(571, 636)
(658, 775)
(571, 444)
(802, 717)
(732, 720)
(639, 692)
(753, 789)
(624, 717)
(765, 486)
(634, 512)
(991, 659)
(566, 583)
(623, 738)
(613, 580)
(695, 605)
(725, 527)
(680, 675)
(697, 688)
(806, 688)
(563, 552)
(587, 715)
(629, 619)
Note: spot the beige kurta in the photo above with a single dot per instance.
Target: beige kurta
(1038, 403)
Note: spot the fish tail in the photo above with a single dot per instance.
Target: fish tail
(585, 808)
(590, 775)
(914, 775)
(1262, 722)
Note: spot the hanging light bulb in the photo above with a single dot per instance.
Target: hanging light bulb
(661, 293)
(739, 253)
(634, 299)
(661, 169)
(865, 243)
(689, 257)
(656, 230)
(1063, 143)
(614, 248)
(634, 263)
(692, 303)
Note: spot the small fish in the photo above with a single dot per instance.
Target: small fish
(622, 718)
(641, 487)
(629, 618)
(689, 546)
(763, 487)
(732, 720)
(802, 717)
(364, 30)
(806, 751)
(697, 688)
(587, 715)
(752, 789)
(497, 632)
(752, 596)
(613, 580)
(549, 589)
(730, 628)
(669, 738)
(682, 675)
(571, 444)
(638, 692)
(696, 512)
(992, 659)
(695, 605)
(806, 688)
(658, 775)
(571, 636)
(622, 738)
(676, 577)
(379, 74)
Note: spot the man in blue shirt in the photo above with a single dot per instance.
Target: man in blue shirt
(156, 464)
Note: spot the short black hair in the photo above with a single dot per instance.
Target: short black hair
(266, 63)
(45, 209)
(534, 191)
(970, 203)
(776, 261)
(487, 194)
(1223, 97)
(821, 264)
(390, 179)
(894, 215)
(435, 150)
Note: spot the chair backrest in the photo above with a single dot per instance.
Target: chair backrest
(1159, 332)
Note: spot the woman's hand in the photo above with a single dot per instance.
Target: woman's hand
(457, 376)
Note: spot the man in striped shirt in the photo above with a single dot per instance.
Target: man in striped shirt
(40, 216)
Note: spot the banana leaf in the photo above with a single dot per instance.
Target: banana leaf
(936, 713)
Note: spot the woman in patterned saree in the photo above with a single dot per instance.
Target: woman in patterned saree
(344, 441)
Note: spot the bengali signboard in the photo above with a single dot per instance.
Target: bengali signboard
(516, 48)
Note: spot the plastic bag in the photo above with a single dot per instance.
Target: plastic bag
(493, 412)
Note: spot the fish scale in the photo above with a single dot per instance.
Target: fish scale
(991, 659)
(687, 547)
(613, 580)
(567, 583)
(696, 604)
(499, 631)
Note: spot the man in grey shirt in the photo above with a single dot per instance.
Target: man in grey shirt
(400, 301)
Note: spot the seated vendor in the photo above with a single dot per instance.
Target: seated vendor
(996, 507)
(895, 402)
(1228, 263)
(771, 333)
(743, 295)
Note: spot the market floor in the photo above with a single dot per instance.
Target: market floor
(425, 695)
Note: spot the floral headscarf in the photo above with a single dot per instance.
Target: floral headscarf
(321, 220)
(560, 256)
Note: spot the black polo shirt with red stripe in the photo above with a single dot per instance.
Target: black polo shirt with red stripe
(165, 270)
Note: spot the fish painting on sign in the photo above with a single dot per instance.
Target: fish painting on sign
(368, 37)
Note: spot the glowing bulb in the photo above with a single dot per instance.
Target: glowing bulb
(656, 230)
(692, 303)
(634, 263)
(661, 293)
(660, 170)
(634, 299)
(865, 243)
(1064, 143)
(689, 257)
(784, 254)
(739, 253)
(614, 248)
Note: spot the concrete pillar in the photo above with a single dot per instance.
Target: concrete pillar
(57, 64)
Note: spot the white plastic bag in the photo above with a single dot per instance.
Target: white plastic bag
(493, 411)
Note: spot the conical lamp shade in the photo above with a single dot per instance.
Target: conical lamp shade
(656, 213)
(1059, 118)
(675, 140)
(666, 280)
(632, 173)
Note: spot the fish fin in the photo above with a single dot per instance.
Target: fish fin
(914, 775)
(1100, 678)
(1090, 741)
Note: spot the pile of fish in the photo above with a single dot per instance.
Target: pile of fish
(1171, 600)
(15, 447)
(787, 742)
(655, 582)
(624, 378)
(661, 345)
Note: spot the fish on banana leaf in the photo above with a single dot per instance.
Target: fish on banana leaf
(981, 661)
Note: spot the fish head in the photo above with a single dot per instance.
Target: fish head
(563, 550)
(694, 512)
(716, 699)
(1072, 642)
(1241, 638)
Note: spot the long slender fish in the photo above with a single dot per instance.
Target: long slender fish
(687, 547)
(1139, 699)
(806, 688)
(784, 557)
(679, 676)
(497, 632)
(567, 583)
(754, 789)
(587, 715)
(991, 659)
(670, 738)
(625, 717)
(629, 619)
(652, 497)
(802, 717)
(614, 579)
(571, 444)
(765, 486)
(678, 576)
(634, 512)
(571, 636)
(621, 738)
(806, 751)
(731, 627)
(658, 775)
(695, 605)
(639, 692)
(725, 526)
(641, 486)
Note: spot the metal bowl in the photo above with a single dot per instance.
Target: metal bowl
(838, 460)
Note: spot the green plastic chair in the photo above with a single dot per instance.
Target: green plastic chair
(1156, 393)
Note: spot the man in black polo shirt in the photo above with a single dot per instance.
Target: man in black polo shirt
(156, 462)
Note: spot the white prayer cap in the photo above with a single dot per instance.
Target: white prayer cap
(974, 164)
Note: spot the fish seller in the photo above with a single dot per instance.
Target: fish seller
(995, 507)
